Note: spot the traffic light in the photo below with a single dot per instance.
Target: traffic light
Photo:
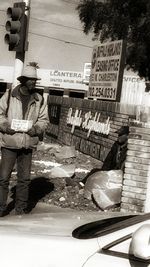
(16, 27)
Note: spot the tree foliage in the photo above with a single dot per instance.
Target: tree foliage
(121, 19)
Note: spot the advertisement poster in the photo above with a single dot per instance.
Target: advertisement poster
(61, 79)
(107, 71)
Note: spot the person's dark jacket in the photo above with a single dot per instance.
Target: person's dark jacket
(116, 157)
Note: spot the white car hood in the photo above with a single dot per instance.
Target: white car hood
(24, 250)
(45, 239)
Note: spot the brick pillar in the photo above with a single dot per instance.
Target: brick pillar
(136, 183)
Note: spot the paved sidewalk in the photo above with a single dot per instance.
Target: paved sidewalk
(61, 221)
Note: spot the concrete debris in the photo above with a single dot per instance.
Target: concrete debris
(82, 184)
(62, 171)
(48, 146)
(81, 170)
(62, 199)
(102, 199)
(66, 173)
(49, 164)
(66, 152)
(104, 187)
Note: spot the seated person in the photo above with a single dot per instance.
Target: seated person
(115, 159)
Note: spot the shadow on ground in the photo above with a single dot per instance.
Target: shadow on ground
(39, 188)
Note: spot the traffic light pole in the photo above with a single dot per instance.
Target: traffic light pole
(20, 56)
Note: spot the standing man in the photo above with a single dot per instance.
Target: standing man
(23, 119)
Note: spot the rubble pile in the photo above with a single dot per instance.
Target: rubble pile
(59, 175)
(66, 171)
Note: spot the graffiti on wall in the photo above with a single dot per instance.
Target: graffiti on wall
(88, 122)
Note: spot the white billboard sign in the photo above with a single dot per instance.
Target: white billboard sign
(106, 68)
(61, 79)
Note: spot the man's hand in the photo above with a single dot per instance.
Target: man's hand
(6, 128)
(32, 131)
(10, 131)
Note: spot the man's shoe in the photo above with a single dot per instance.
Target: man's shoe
(3, 213)
(20, 211)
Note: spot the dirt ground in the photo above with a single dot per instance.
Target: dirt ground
(66, 192)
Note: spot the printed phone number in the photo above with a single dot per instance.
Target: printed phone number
(102, 92)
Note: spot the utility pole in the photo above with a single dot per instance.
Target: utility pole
(20, 56)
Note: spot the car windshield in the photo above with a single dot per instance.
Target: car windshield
(106, 226)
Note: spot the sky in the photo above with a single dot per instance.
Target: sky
(56, 39)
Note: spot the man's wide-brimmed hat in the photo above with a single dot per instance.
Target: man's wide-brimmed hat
(29, 72)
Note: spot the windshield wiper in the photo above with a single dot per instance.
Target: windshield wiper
(106, 226)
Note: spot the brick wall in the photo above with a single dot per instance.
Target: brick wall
(136, 182)
(96, 145)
